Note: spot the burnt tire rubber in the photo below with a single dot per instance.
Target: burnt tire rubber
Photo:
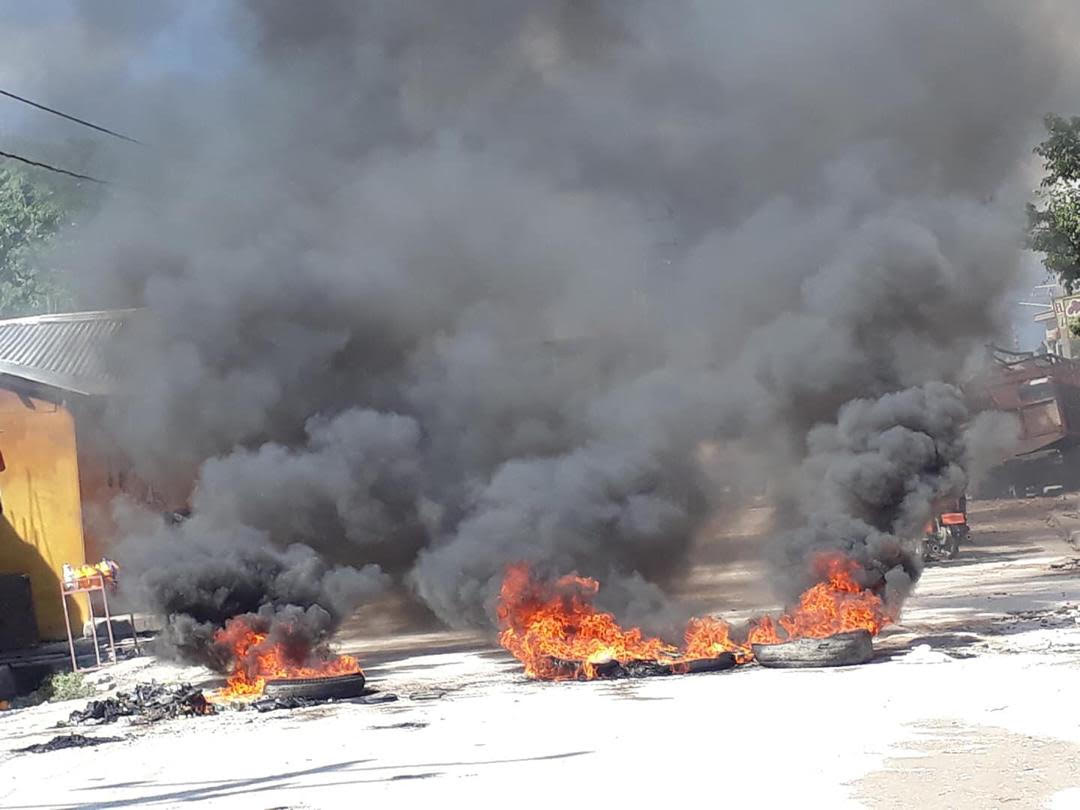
(718, 663)
(841, 650)
(338, 686)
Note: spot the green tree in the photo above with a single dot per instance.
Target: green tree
(1054, 220)
(30, 219)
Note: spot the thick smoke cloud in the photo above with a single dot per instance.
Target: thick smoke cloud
(872, 479)
(355, 479)
(200, 574)
(442, 289)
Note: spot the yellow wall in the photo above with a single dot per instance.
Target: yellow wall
(104, 475)
(41, 527)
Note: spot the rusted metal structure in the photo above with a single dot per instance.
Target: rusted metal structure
(1043, 392)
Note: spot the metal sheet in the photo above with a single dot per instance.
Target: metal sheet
(65, 351)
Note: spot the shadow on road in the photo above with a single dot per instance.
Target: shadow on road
(218, 789)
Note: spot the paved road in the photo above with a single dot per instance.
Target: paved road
(971, 703)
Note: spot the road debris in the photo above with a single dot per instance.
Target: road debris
(269, 703)
(66, 741)
(147, 703)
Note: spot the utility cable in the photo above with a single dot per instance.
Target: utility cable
(72, 118)
(53, 168)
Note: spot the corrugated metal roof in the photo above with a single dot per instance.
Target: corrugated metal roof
(65, 351)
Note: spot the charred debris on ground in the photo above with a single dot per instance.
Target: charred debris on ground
(66, 741)
(152, 702)
(563, 669)
(146, 703)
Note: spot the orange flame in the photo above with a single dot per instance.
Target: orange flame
(257, 660)
(836, 605)
(555, 631)
(710, 636)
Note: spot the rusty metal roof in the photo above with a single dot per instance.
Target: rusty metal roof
(64, 351)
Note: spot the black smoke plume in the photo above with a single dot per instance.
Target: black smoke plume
(198, 576)
(872, 480)
(438, 288)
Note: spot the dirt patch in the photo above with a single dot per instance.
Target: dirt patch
(957, 766)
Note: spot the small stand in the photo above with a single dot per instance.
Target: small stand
(94, 584)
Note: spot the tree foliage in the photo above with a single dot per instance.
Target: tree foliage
(30, 219)
(1054, 220)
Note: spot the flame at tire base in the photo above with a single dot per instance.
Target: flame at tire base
(256, 659)
(547, 625)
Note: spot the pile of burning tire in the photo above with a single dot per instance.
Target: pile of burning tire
(556, 631)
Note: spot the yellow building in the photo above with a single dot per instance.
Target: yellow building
(56, 467)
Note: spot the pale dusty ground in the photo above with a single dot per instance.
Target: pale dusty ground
(984, 715)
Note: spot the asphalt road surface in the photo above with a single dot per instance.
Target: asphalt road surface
(970, 702)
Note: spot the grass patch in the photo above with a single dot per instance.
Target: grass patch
(67, 686)
(58, 686)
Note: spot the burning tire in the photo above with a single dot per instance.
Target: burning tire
(338, 686)
(648, 669)
(841, 650)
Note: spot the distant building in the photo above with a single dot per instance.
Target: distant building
(1042, 391)
(1061, 319)
(60, 471)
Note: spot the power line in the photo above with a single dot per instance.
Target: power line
(71, 118)
(53, 168)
